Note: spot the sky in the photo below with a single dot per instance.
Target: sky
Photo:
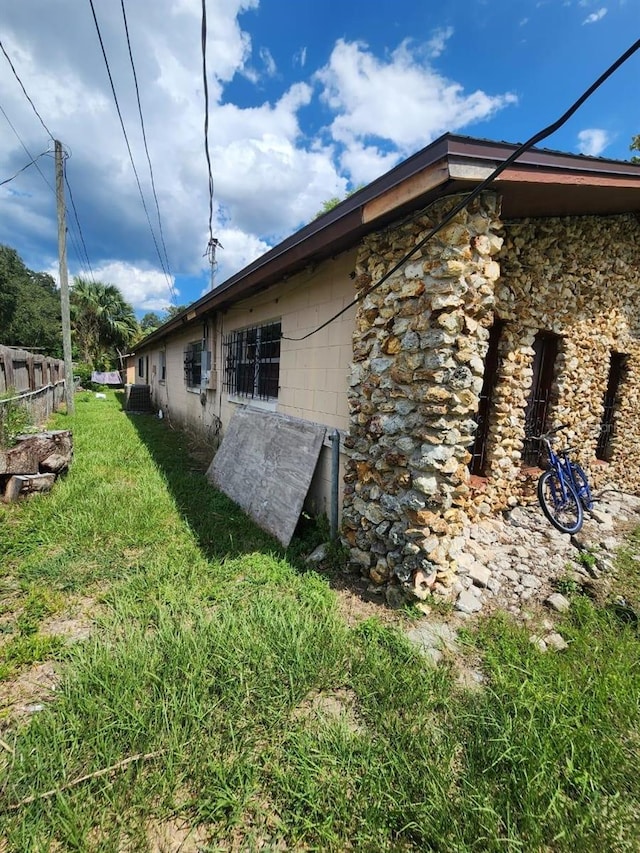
(308, 99)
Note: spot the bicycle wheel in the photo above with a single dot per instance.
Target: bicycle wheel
(582, 485)
(561, 505)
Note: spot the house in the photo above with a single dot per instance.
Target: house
(522, 313)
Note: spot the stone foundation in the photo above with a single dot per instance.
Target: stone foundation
(419, 360)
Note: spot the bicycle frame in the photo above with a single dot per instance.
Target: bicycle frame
(563, 489)
(563, 468)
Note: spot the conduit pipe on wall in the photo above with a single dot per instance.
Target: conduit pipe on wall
(335, 482)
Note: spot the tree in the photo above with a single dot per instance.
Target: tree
(334, 201)
(150, 322)
(102, 321)
(173, 311)
(29, 306)
(11, 268)
(635, 146)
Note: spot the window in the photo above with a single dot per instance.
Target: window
(252, 361)
(141, 366)
(617, 370)
(545, 348)
(193, 364)
(163, 365)
(478, 449)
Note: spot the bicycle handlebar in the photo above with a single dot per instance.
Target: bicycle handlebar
(546, 435)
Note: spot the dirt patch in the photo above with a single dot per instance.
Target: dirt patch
(175, 835)
(27, 693)
(339, 704)
(357, 601)
(75, 623)
(31, 689)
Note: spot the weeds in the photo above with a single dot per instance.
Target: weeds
(14, 418)
(213, 640)
(587, 559)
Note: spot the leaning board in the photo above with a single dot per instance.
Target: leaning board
(265, 464)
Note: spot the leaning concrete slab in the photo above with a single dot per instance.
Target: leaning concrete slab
(265, 464)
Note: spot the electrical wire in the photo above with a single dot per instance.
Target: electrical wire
(44, 178)
(26, 94)
(75, 215)
(213, 244)
(28, 153)
(31, 163)
(126, 139)
(481, 187)
(146, 148)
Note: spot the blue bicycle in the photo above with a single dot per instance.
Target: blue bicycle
(563, 489)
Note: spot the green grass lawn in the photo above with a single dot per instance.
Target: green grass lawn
(265, 722)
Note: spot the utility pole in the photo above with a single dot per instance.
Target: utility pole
(64, 281)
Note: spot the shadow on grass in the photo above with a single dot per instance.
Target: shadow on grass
(220, 526)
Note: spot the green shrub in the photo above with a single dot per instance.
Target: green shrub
(14, 419)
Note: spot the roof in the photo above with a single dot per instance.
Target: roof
(540, 183)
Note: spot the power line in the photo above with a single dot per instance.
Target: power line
(44, 178)
(126, 139)
(75, 215)
(213, 244)
(146, 148)
(31, 163)
(537, 137)
(26, 94)
(29, 154)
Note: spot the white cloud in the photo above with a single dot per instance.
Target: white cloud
(402, 101)
(438, 42)
(146, 289)
(269, 177)
(593, 141)
(268, 61)
(595, 16)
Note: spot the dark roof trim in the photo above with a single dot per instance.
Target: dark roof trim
(341, 227)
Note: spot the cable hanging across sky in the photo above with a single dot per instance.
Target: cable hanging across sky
(126, 139)
(24, 168)
(213, 243)
(34, 161)
(482, 186)
(146, 148)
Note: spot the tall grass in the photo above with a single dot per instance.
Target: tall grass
(211, 651)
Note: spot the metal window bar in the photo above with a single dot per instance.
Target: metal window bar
(252, 362)
(478, 450)
(617, 367)
(545, 349)
(193, 365)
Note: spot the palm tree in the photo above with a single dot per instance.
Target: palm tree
(103, 321)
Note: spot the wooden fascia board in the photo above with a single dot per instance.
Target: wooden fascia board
(411, 188)
(538, 175)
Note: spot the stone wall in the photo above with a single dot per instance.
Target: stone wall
(419, 348)
(580, 279)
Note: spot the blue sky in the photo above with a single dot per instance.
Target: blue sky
(307, 100)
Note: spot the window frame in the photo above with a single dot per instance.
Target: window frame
(193, 365)
(479, 462)
(546, 347)
(618, 368)
(251, 357)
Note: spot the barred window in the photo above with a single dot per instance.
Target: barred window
(617, 374)
(193, 364)
(252, 361)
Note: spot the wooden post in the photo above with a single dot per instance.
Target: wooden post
(64, 281)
